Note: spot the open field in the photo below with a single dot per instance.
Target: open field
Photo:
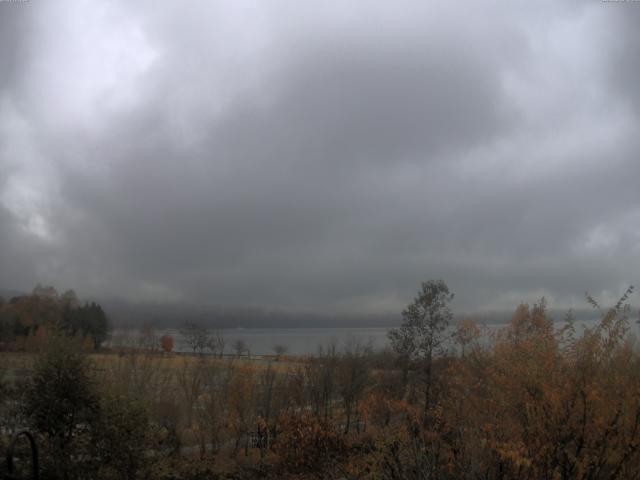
(16, 365)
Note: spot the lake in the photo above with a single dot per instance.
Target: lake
(298, 341)
(260, 341)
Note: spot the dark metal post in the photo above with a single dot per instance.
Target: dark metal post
(35, 470)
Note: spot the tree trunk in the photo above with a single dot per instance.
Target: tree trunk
(348, 414)
(427, 392)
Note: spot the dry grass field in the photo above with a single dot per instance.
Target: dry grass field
(17, 365)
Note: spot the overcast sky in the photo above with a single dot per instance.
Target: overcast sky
(324, 156)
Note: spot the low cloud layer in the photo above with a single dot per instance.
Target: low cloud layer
(325, 157)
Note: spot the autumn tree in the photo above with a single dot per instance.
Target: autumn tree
(166, 342)
(422, 333)
(530, 323)
(242, 414)
(308, 447)
(28, 320)
(466, 334)
(35, 314)
(44, 312)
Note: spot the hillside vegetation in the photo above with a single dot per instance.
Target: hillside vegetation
(532, 400)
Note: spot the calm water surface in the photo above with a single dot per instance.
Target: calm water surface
(297, 341)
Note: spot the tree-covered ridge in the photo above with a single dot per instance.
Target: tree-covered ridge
(26, 320)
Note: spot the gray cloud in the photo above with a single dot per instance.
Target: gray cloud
(624, 57)
(320, 158)
(14, 25)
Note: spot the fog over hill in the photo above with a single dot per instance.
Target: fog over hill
(7, 295)
(133, 315)
(125, 313)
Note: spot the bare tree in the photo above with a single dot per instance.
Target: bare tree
(212, 416)
(267, 407)
(320, 379)
(191, 382)
(421, 335)
(240, 347)
(353, 377)
(200, 338)
(148, 338)
(279, 350)
(216, 342)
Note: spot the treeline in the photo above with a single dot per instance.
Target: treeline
(532, 400)
(26, 321)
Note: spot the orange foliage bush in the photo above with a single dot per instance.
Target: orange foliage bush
(306, 444)
(538, 403)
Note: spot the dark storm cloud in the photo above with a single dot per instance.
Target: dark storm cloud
(296, 193)
(332, 162)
